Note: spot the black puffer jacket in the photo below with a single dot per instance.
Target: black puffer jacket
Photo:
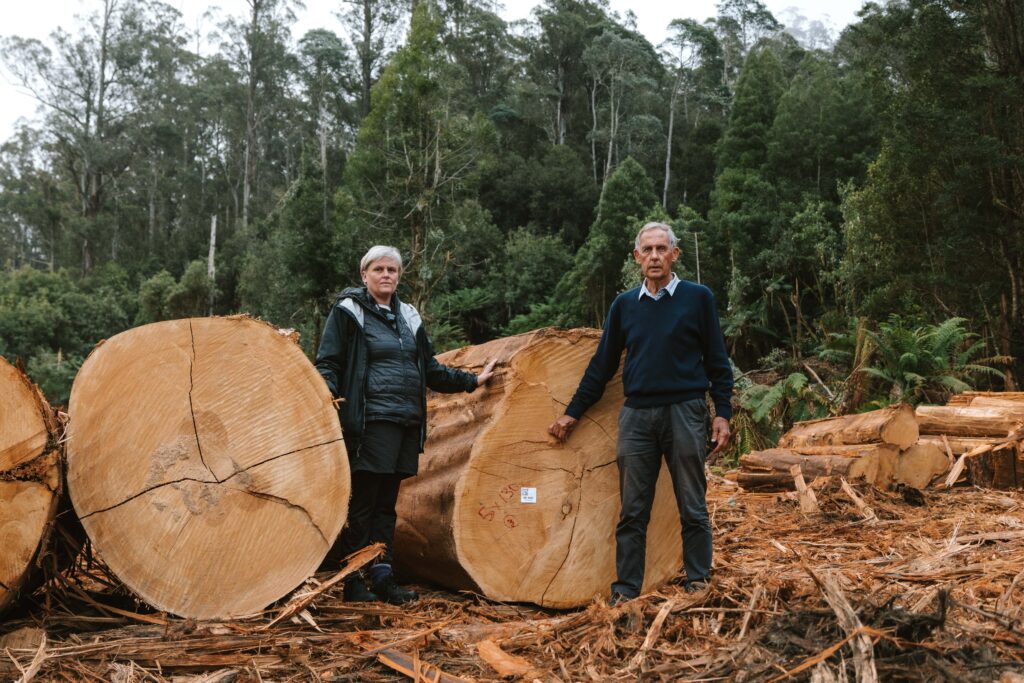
(343, 361)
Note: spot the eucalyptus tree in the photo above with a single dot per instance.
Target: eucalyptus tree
(90, 85)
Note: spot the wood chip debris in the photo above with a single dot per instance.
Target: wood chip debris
(932, 590)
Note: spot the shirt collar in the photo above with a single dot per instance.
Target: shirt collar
(670, 289)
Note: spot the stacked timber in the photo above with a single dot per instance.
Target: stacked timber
(865, 446)
(30, 480)
(981, 428)
(206, 463)
(502, 508)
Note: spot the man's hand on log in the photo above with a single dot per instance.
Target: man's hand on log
(486, 374)
(719, 437)
(562, 427)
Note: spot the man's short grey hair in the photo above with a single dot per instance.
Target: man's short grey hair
(654, 225)
(378, 252)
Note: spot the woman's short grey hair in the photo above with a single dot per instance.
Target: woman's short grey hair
(654, 225)
(378, 252)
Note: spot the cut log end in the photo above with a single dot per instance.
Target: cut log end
(894, 425)
(528, 519)
(29, 478)
(231, 475)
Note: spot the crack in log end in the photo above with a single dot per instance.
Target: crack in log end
(144, 492)
(568, 548)
(288, 504)
(191, 408)
(245, 469)
(601, 466)
(38, 470)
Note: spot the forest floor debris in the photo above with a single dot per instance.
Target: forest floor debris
(928, 587)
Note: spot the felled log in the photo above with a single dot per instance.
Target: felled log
(30, 481)
(770, 469)
(968, 421)
(893, 425)
(206, 463)
(920, 464)
(968, 398)
(502, 508)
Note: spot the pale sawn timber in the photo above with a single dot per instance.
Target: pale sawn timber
(30, 481)
(968, 398)
(469, 520)
(206, 463)
(969, 421)
(874, 464)
(893, 425)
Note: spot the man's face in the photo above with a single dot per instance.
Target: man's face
(656, 256)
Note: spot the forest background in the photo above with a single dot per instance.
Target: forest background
(856, 205)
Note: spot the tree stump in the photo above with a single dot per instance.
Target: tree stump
(894, 425)
(206, 463)
(501, 507)
(30, 481)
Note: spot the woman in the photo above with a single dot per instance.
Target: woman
(376, 357)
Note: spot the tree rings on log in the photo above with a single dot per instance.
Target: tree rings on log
(893, 425)
(29, 478)
(501, 507)
(206, 463)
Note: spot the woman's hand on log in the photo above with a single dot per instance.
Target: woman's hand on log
(719, 437)
(486, 374)
(562, 427)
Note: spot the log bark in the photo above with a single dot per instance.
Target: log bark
(998, 469)
(30, 481)
(968, 421)
(206, 462)
(502, 508)
(769, 469)
(893, 425)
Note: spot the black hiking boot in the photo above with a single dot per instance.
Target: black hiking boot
(391, 592)
(356, 590)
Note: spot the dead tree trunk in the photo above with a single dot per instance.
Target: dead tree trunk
(30, 481)
(206, 463)
(501, 507)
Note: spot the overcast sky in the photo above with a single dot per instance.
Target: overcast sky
(37, 19)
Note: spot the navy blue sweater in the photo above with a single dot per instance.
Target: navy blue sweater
(674, 351)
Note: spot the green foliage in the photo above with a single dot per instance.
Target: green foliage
(53, 372)
(927, 363)
(587, 290)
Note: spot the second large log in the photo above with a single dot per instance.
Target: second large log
(500, 507)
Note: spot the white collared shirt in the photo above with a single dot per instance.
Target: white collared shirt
(670, 289)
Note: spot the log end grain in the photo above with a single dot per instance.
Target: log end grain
(206, 463)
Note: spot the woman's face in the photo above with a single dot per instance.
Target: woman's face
(381, 279)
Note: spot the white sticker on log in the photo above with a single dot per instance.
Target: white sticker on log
(528, 494)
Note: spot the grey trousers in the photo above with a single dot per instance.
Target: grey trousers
(678, 433)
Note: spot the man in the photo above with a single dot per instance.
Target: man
(674, 347)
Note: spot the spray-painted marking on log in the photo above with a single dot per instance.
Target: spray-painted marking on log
(506, 495)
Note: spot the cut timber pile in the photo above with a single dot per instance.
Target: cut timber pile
(969, 421)
(769, 470)
(894, 425)
(976, 420)
(865, 446)
(29, 478)
(206, 463)
(501, 507)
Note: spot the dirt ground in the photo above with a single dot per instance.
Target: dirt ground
(922, 587)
